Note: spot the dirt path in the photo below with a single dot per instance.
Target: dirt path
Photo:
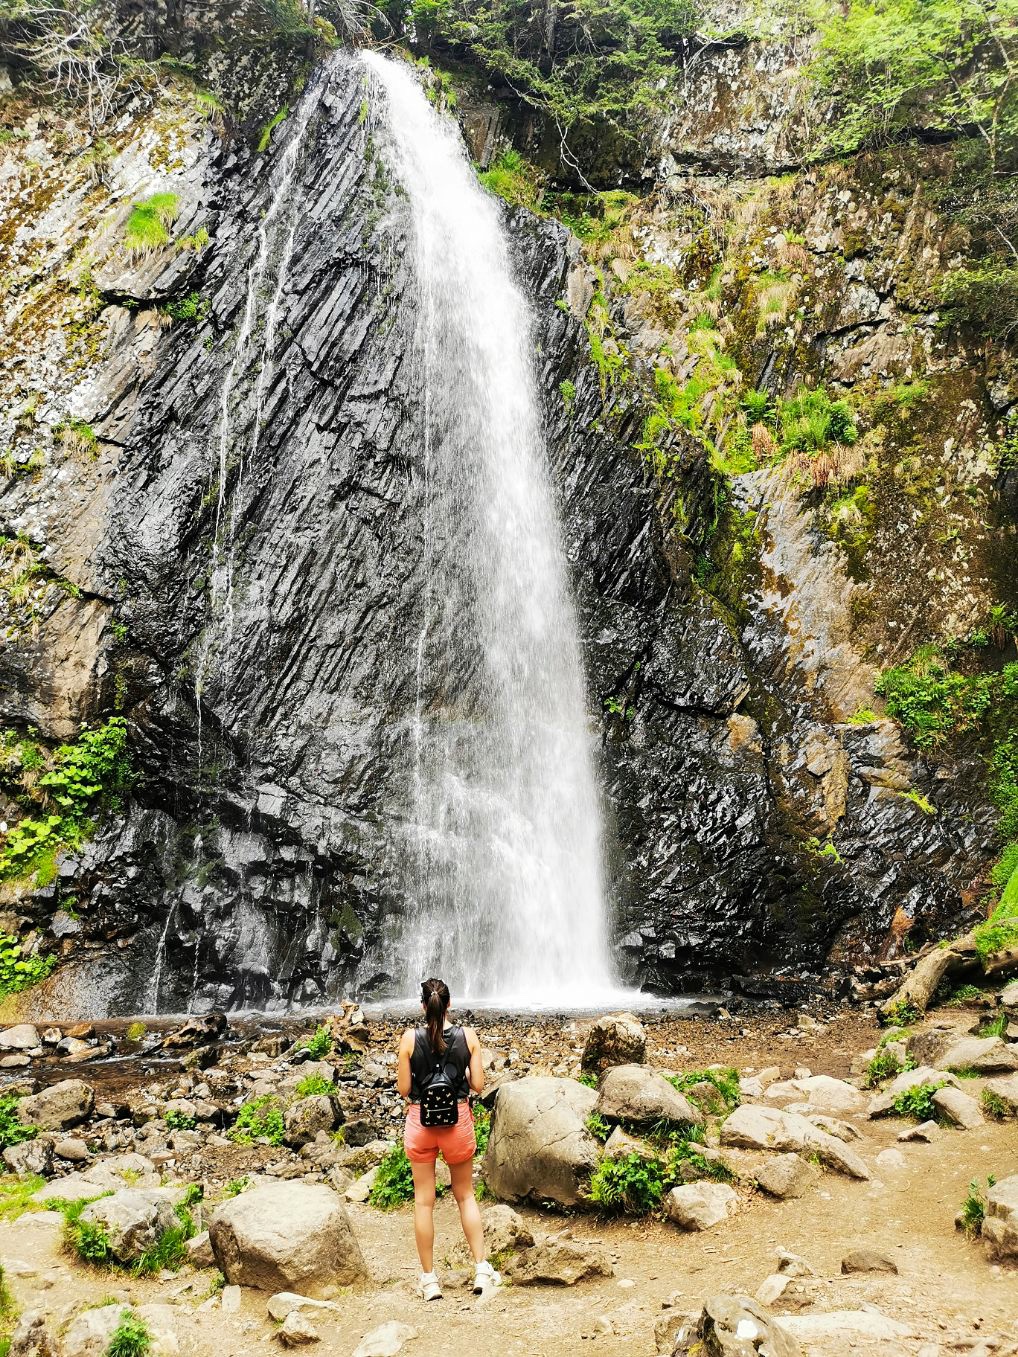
(946, 1292)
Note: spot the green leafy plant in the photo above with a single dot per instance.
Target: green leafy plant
(12, 1131)
(148, 225)
(313, 1085)
(726, 1081)
(917, 1102)
(86, 1239)
(588, 1079)
(394, 1181)
(995, 1026)
(131, 1337)
(179, 1121)
(513, 179)
(236, 1186)
(632, 1184)
(16, 1193)
(194, 307)
(18, 970)
(901, 1013)
(319, 1043)
(994, 1105)
(598, 1127)
(260, 1119)
(567, 390)
(482, 1128)
(886, 1065)
(964, 994)
(973, 1208)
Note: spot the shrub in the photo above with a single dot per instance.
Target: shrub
(394, 1181)
(726, 1081)
(973, 1208)
(148, 225)
(314, 1084)
(631, 1184)
(261, 1119)
(236, 1186)
(87, 1239)
(482, 1128)
(588, 1080)
(996, 1027)
(513, 179)
(18, 970)
(319, 1043)
(964, 994)
(885, 1065)
(12, 1131)
(598, 1127)
(917, 1102)
(901, 1014)
(179, 1121)
(193, 307)
(131, 1337)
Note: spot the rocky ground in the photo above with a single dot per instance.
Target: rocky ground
(813, 1216)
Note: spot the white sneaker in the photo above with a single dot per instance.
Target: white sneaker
(430, 1289)
(486, 1278)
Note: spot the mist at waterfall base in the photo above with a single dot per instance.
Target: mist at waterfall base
(502, 854)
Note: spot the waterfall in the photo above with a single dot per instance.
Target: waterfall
(503, 847)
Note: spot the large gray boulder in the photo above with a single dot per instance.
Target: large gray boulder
(172, 1330)
(642, 1096)
(987, 1055)
(134, 1219)
(735, 1326)
(958, 1108)
(31, 1156)
(1005, 1090)
(31, 1338)
(616, 1039)
(700, 1206)
(307, 1116)
(540, 1147)
(22, 1037)
(1000, 1223)
(287, 1236)
(787, 1175)
(58, 1107)
(768, 1128)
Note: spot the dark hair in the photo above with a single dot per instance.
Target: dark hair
(435, 998)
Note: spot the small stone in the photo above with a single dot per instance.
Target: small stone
(199, 1250)
(231, 1300)
(772, 1288)
(890, 1159)
(700, 1206)
(360, 1189)
(787, 1175)
(867, 1260)
(72, 1149)
(280, 1305)
(791, 1265)
(385, 1341)
(297, 1330)
(926, 1131)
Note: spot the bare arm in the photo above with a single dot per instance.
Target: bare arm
(475, 1070)
(406, 1050)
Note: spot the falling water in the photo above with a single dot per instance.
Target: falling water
(505, 896)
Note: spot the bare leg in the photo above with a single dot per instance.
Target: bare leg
(470, 1217)
(424, 1212)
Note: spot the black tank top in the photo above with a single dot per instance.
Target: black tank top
(455, 1060)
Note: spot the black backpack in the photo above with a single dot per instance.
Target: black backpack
(439, 1103)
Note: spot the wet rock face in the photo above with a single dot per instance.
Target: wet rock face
(270, 584)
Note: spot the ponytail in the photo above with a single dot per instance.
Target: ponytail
(435, 998)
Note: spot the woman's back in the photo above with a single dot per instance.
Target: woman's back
(454, 1060)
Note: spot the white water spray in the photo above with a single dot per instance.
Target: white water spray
(504, 878)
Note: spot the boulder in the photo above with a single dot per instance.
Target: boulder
(770, 1128)
(787, 1175)
(1005, 1089)
(58, 1107)
(735, 1326)
(868, 1260)
(987, 1055)
(1000, 1223)
(958, 1108)
(1009, 998)
(73, 1149)
(620, 1144)
(557, 1262)
(539, 1146)
(920, 986)
(22, 1037)
(31, 1338)
(172, 1329)
(31, 1156)
(134, 1219)
(505, 1229)
(616, 1039)
(307, 1116)
(123, 1170)
(700, 1206)
(926, 1132)
(386, 1341)
(287, 1236)
(637, 1094)
(199, 1250)
(824, 1094)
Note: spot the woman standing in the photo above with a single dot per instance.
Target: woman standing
(456, 1052)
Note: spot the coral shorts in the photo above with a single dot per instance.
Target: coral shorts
(422, 1143)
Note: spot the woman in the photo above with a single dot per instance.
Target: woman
(459, 1052)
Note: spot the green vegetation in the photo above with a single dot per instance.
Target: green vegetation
(259, 1120)
(885, 1065)
(513, 179)
(482, 1128)
(995, 1027)
(17, 1190)
(973, 1208)
(193, 308)
(266, 134)
(598, 1127)
(179, 1121)
(319, 1043)
(86, 1239)
(65, 790)
(963, 994)
(898, 66)
(726, 1081)
(12, 1131)
(593, 67)
(394, 1181)
(136, 1031)
(632, 1184)
(587, 1079)
(923, 802)
(20, 970)
(901, 1014)
(148, 226)
(567, 390)
(917, 1102)
(236, 1186)
(131, 1337)
(933, 700)
(994, 1105)
(78, 436)
(314, 1084)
